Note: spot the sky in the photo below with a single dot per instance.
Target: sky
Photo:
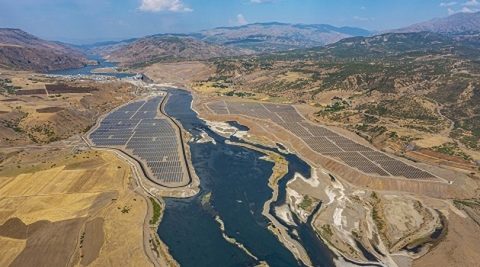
(87, 21)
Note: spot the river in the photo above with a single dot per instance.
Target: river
(87, 70)
(234, 188)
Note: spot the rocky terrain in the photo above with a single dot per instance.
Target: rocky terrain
(22, 51)
(413, 92)
(398, 222)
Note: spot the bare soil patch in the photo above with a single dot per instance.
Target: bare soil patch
(31, 92)
(92, 240)
(180, 73)
(460, 247)
(49, 109)
(51, 245)
(68, 89)
(67, 110)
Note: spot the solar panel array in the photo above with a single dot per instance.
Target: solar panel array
(135, 129)
(323, 140)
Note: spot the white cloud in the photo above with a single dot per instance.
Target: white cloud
(448, 4)
(470, 6)
(468, 10)
(451, 11)
(361, 18)
(260, 1)
(472, 3)
(164, 5)
(241, 20)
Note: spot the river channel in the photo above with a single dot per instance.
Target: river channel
(87, 70)
(234, 188)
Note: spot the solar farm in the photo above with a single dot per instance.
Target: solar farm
(324, 141)
(137, 130)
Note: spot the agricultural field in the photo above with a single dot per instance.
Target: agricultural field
(43, 110)
(82, 201)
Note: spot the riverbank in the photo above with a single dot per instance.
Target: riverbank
(283, 223)
(235, 196)
(280, 169)
(348, 223)
(334, 221)
(188, 190)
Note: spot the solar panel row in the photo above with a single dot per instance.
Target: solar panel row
(135, 128)
(323, 140)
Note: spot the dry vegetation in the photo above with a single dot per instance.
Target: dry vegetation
(167, 48)
(29, 119)
(22, 51)
(61, 208)
(180, 73)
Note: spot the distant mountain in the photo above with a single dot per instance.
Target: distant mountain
(454, 24)
(105, 47)
(396, 44)
(158, 48)
(227, 41)
(22, 51)
(266, 37)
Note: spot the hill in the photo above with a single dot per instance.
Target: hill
(22, 51)
(394, 89)
(395, 45)
(163, 48)
(454, 24)
(264, 37)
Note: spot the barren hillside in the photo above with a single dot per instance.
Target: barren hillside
(22, 51)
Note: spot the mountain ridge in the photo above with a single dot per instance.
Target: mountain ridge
(454, 24)
(260, 37)
(277, 36)
(162, 48)
(20, 50)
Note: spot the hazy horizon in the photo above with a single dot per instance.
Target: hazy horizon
(89, 21)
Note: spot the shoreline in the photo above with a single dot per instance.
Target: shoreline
(232, 240)
(276, 227)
